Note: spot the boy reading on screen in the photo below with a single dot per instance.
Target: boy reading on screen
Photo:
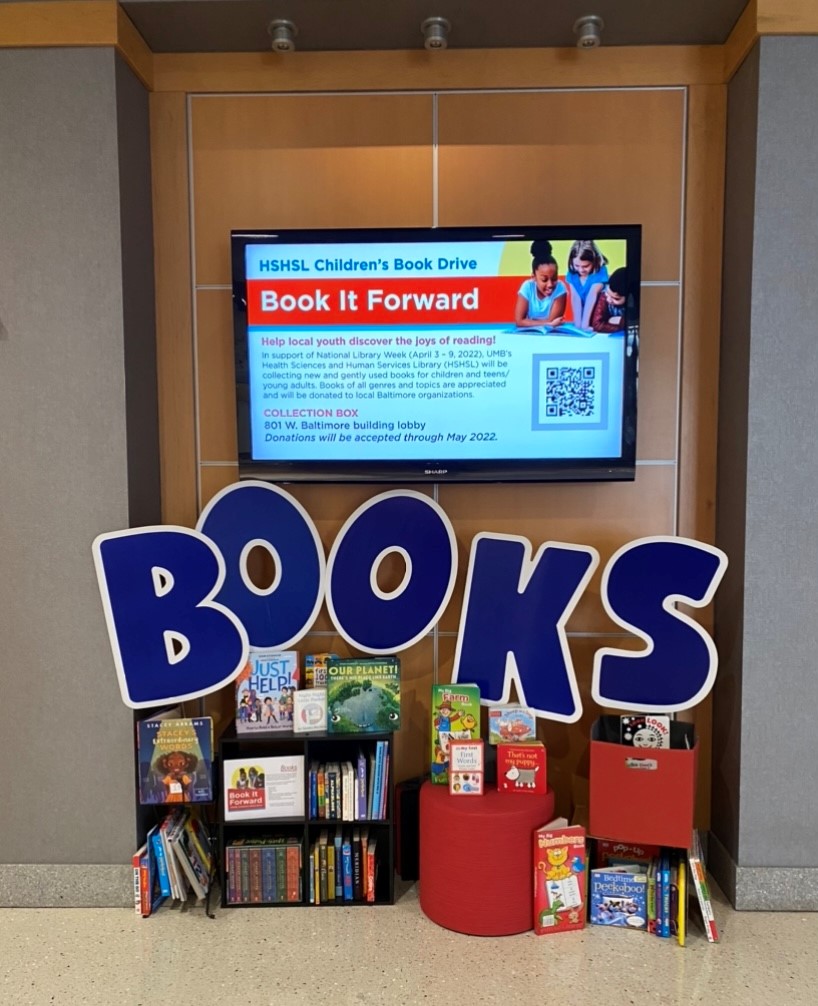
(608, 314)
(541, 299)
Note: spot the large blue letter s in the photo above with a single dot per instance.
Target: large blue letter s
(171, 641)
(640, 587)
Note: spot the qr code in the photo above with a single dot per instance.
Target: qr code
(570, 392)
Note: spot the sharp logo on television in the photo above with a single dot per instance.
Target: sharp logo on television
(183, 613)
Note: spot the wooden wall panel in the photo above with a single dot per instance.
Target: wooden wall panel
(659, 344)
(553, 158)
(174, 322)
(276, 162)
(216, 376)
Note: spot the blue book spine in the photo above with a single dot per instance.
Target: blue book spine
(665, 895)
(313, 794)
(346, 861)
(657, 898)
(161, 865)
(339, 868)
(380, 751)
(268, 890)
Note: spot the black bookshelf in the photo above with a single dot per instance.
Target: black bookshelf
(320, 747)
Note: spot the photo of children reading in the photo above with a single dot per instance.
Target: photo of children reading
(586, 276)
(608, 314)
(541, 299)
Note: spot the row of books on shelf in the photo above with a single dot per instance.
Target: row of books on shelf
(341, 791)
(343, 867)
(265, 870)
(175, 860)
(630, 887)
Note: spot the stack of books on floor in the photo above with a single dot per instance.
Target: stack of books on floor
(646, 887)
(175, 861)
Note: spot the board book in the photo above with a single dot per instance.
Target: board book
(645, 731)
(521, 767)
(466, 768)
(264, 691)
(175, 759)
(559, 877)
(510, 723)
(455, 716)
(618, 897)
(363, 695)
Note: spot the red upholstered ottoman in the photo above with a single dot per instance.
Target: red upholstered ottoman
(476, 859)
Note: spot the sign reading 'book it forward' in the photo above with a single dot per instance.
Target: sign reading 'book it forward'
(183, 613)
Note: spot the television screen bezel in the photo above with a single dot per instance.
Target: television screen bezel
(442, 469)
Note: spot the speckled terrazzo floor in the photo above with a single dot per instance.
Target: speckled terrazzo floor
(389, 955)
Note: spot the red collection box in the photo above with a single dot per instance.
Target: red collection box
(640, 795)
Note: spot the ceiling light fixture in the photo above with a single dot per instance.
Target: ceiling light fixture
(435, 32)
(283, 35)
(589, 31)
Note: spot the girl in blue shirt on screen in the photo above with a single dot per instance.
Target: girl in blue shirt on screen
(587, 274)
(541, 299)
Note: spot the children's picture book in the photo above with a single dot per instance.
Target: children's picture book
(264, 691)
(521, 767)
(511, 722)
(363, 695)
(310, 710)
(559, 877)
(466, 770)
(315, 669)
(455, 716)
(259, 788)
(175, 758)
(645, 731)
(618, 897)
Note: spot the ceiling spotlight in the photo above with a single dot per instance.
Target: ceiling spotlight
(435, 32)
(589, 31)
(283, 35)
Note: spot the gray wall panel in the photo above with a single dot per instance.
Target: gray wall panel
(65, 736)
(731, 490)
(779, 819)
(142, 415)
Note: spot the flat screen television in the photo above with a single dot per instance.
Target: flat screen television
(504, 354)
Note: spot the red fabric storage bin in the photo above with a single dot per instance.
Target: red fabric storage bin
(643, 796)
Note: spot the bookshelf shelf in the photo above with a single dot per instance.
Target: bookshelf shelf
(238, 839)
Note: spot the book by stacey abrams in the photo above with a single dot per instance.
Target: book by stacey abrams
(363, 695)
(175, 760)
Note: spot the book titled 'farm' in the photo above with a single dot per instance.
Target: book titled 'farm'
(363, 696)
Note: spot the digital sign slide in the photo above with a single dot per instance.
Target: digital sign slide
(374, 351)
